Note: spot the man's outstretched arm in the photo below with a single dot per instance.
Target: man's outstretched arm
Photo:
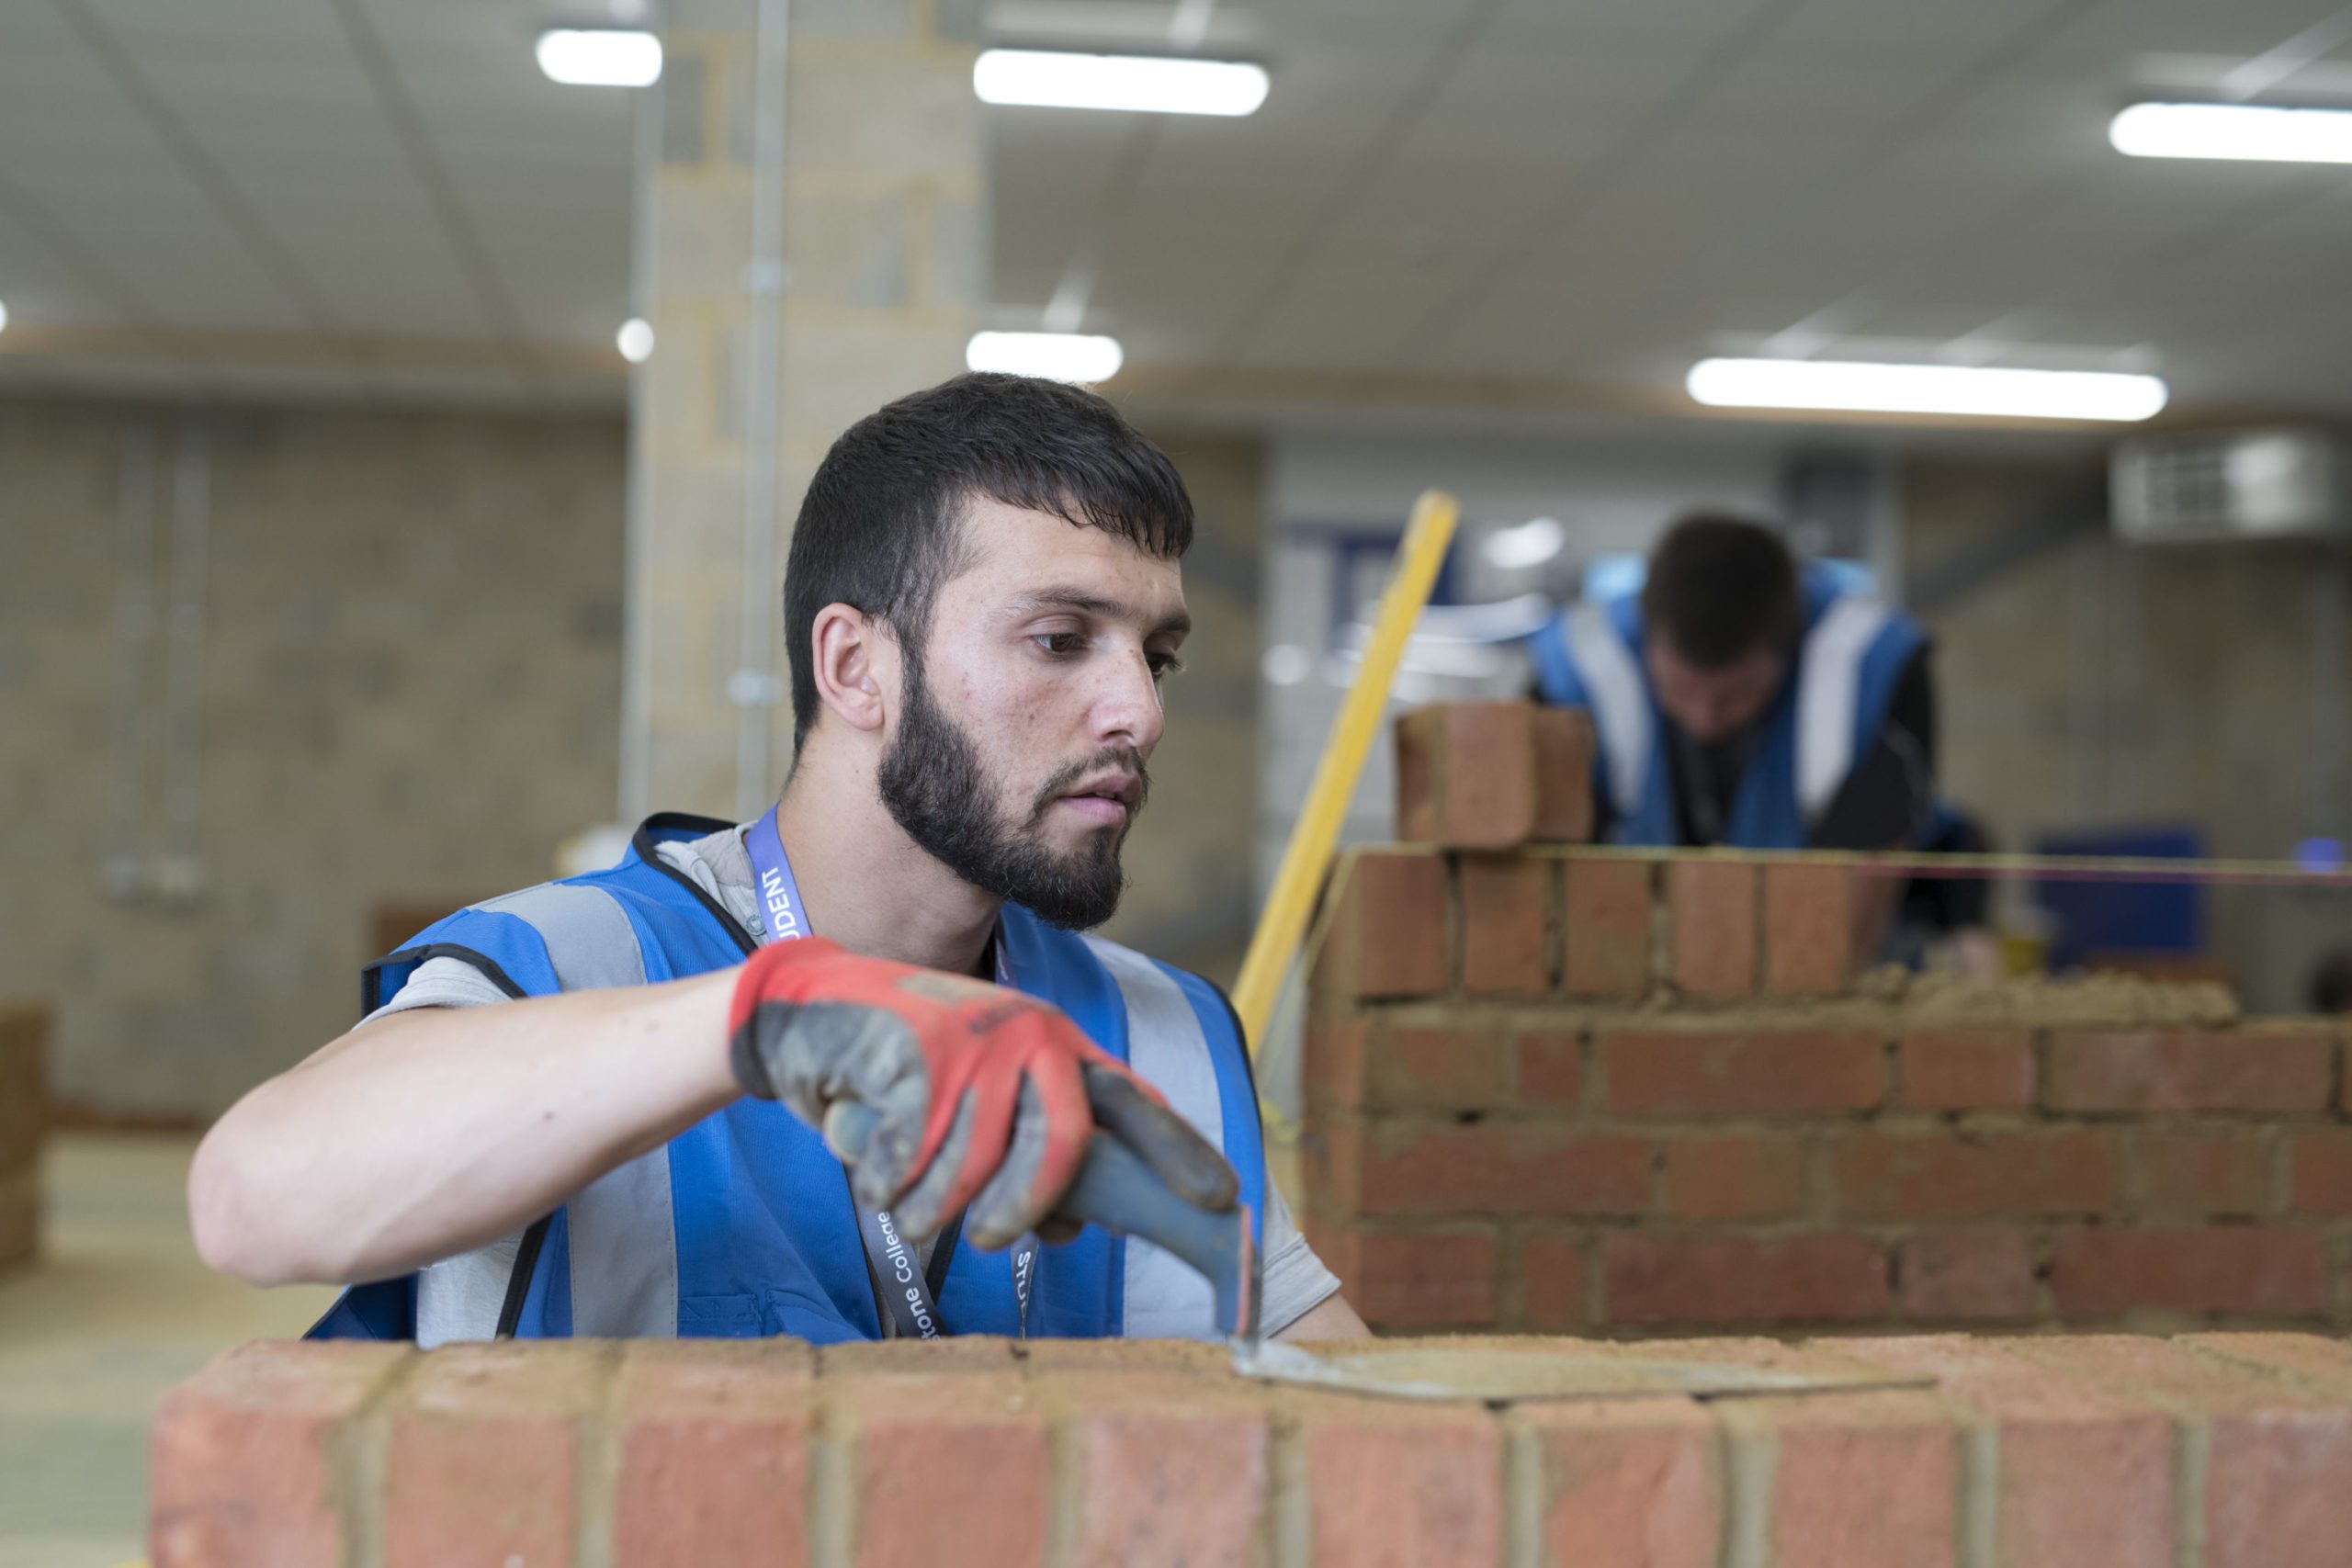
(423, 1135)
(1333, 1319)
(426, 1134)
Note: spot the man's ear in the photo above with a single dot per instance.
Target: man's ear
(856, 664)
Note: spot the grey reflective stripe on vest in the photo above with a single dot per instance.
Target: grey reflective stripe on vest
(1827, 689)
(1166, 1299)
(1620, 701)
(621, 1234)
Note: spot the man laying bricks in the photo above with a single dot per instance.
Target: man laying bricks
(1741, 699)
(566, 1111)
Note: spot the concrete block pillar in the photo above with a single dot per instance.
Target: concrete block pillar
(847, 146)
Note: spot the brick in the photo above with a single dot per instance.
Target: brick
(954, 1469)
(1964, 1070)
(1606, 928)
(1967, 1277)
(1331, 1160)
(864, 1365)
(2194, 1173)
(2190, 1069)
(1465, 775)
(1712, 918)
(1550, 1070)
(1726, 1073)
(1564, 752)
(2322, 1173)
(1623, 1481)
(1551, 1276)
(1808, 929)
(1502, 1168)
(484, 1457)
(2277, 1460)
(1437, 1069)
(2325, 1362)
(1166, 1473)
(1441, 1278)
(241, 1465)
(713, 1454)
(1388, 936)
(1944, 1175)
(1179, 1360)
(1655, 1279)
(2256, 1270)
(1333, 1069)
(1731, 1177)
(2075, 1462)
(1399, 1487)
(1857, 1478)
(1507, 931)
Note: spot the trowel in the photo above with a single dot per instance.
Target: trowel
(1116, 1189)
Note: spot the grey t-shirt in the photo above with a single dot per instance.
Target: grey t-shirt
(1296, 1280)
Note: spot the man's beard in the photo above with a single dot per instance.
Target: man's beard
(937, 788)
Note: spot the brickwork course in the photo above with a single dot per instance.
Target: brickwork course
(1595, 1092)
(2215, 1450)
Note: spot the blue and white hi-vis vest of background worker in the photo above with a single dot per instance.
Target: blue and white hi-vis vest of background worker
(743, 1226)
(1825, 719)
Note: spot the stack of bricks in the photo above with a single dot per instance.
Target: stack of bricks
(2227, 1450)
(24, 1115)
(1598, 1092)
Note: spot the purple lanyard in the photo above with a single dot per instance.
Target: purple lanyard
(908, 1293)
(780, 905)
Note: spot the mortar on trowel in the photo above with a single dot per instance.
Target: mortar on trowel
(1117, 1191)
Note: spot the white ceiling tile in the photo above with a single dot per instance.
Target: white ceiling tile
(1592, 188)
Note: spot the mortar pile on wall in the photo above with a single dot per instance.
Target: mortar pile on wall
(1598, 1091)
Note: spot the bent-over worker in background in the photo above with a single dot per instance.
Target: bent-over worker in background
(1744, 700)
(566, 1111)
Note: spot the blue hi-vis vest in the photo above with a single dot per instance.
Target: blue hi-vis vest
(1825, 719)
(743, 1227)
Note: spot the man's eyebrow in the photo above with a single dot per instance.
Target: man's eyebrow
(1085, 603)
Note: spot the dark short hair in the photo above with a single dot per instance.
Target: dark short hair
(2332, 982)
(881, 529)
(1719, 588)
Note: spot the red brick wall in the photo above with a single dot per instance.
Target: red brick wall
(2207, 1451)
(24, 1113)
(1590, 1092)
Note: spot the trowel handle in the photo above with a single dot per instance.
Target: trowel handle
(1117, 1191)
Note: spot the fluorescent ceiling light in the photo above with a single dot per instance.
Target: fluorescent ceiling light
(2233, 130)
(1056, 357)
(635, 340)
(1924, 388)
(600, 57)
(1531, 543)
(1054, 80)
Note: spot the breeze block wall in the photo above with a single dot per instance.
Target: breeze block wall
(1595, 1092)
(24, 1116)
(2203, 1451)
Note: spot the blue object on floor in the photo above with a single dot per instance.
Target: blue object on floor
(2155, 917)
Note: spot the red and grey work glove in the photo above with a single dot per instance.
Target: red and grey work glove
(984, 1096)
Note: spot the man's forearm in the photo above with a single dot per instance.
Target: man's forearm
(429, 1133)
